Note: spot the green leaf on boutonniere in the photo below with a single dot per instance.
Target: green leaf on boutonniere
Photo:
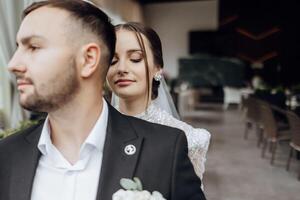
(138, 183)
(129, 184)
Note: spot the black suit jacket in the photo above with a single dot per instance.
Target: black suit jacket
(160, 161)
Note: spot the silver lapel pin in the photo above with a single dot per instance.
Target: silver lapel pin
(130, 149)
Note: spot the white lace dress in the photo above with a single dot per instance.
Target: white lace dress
(197, 138)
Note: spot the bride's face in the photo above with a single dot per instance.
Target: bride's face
(127, 73)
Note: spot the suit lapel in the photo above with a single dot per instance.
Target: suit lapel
(24, 165)
(116, 164)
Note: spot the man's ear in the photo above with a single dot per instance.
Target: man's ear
(91, 57)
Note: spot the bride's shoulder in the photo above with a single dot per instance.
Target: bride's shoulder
(190, 131)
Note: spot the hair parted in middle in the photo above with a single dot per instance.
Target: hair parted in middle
(155, 47)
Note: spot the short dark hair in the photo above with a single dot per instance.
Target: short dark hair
(92, 18)
(155, 46)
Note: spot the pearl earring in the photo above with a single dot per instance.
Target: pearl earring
(157, 76)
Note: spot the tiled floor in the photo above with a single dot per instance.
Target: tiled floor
(234, 168)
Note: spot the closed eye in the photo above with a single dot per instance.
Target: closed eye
(113, 62)
(136, 60)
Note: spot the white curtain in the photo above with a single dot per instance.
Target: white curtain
(10, 19)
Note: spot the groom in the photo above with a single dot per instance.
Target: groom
(84, 147)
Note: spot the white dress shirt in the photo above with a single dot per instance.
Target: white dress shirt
(57, 179)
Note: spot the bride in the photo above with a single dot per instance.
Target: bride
(135, 77)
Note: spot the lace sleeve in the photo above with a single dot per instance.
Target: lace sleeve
(198, 139)
(199, 142)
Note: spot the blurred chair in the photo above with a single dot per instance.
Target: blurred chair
(252, 117)
(272, 132)
(188, 101)
(294, 122)
(234, 95)
(231, 96)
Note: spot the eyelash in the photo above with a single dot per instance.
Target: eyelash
(136, 60)
(132, 60)
(33, 48)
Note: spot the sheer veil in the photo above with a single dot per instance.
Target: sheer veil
(164, 100)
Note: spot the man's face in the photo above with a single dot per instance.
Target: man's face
(44, 63)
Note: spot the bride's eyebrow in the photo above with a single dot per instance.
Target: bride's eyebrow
(134, 50)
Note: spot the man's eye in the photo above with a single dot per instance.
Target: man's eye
(33, 47)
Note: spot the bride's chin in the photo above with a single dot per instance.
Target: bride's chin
(124, 93)
(124, 96)
(127, 97)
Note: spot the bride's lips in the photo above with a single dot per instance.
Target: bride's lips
(123, 82)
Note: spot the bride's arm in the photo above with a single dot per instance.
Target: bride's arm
(198, 139)
(198, 150)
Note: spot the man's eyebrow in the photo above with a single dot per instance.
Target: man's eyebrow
(26, 40)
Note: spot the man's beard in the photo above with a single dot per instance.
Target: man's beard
(55, 93)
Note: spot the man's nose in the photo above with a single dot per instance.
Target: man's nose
(16, 64)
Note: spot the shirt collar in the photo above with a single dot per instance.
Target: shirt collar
(96, 137)
(45, 140)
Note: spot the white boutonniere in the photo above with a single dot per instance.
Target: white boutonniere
(133, 190)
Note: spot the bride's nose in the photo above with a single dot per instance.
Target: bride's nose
(122, 68)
